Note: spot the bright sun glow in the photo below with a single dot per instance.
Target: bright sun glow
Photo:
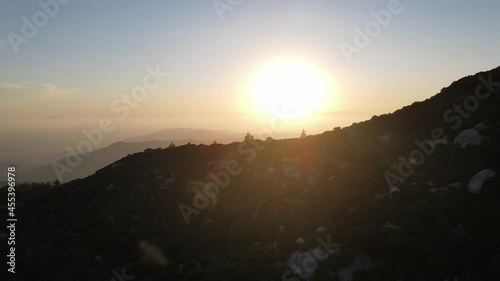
(295, 85)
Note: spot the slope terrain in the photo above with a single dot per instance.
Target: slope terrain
(412, 195)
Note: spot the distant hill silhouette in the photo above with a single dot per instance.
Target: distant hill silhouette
(201, 135)
(105, 156)
(95, 160)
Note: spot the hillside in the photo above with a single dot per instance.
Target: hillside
(397, 197)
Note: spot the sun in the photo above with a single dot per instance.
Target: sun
(293, 85)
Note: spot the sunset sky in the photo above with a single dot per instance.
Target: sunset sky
(92, 52)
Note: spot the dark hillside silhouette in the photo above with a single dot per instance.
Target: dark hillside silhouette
(152, 214)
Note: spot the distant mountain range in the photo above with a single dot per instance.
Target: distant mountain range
(199, 135)
(93, 161)
(105, 156)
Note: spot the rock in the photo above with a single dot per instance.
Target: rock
(476, 183)
(300, 241)
(442, 190)
(394, 189)
(282, 229)
(468, 137)
(321, 229)
(481, 126)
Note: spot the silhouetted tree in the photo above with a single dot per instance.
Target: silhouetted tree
(56, 183)
(303, 134)
(172, 145)
(248, 137)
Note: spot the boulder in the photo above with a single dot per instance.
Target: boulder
(468, 137)
(476, 183)
(321, 229)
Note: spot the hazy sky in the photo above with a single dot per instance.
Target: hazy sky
(92, 52)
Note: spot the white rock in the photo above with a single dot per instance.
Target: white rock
(394, 189)
(321, 229)
(481, 126)
(300, 241)
(476, 183)
(468, 137)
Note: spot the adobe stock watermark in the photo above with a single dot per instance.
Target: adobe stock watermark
(121, 107)
(372, 29)
(453, 116)
(31, 26)
(121, 276)
(224, 6)
(232, 168)
(303, 267)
